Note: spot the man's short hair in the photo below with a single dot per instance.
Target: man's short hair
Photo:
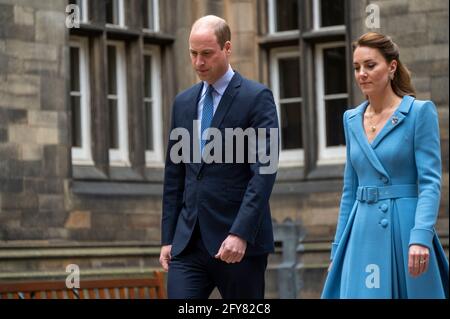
(223, 33)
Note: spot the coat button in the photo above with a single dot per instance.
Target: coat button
(384, 179)
(384, 222)
(384, 208)
(199, 177)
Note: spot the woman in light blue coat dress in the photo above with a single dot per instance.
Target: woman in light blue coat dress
(386, 244)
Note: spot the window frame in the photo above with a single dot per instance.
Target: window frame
(121, 23)
(84, 11)
(293, 157)
(332, 154)
(120, 156)
(83, 155)
(99, 35)
(272, 21)
(317, 19)
(154, 157)
(156, 27)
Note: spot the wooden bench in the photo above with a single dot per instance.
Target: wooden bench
(132, 288)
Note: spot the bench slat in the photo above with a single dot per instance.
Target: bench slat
(131, 294)
(141, 292)
(122, 293)
(92, 294)
(71, 295)
(112, 293)
(101, 293)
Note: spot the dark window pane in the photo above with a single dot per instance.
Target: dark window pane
(111, 10)
(76, 121)
(148, 126)
(287, 15)
(289, 73)
(332, 12)
(334, 110)
(147, 76)
(291, 126)
(335, 70)
(148, 10)
(113, 124)
(112, 77)
(74, 69)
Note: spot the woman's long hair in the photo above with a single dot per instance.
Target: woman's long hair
(401, 83)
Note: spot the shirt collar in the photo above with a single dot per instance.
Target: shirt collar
(221, 84)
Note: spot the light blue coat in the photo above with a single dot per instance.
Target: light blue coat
(390, 200)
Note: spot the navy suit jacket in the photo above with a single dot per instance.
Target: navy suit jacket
(226, 198)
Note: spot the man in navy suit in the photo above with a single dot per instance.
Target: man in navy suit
(216, 221)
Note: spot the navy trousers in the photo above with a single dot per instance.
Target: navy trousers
(194, 274)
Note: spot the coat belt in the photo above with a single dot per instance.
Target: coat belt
(372, 194)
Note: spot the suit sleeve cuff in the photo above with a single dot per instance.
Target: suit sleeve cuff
(422, 237)
(242, 236)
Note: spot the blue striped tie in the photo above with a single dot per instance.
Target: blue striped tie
(207, 115)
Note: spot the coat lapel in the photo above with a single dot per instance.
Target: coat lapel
(395, 120)
(355, 123)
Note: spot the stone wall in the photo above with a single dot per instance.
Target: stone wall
(34, 144)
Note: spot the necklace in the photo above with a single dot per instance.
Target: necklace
(382, 116)
(372, 126)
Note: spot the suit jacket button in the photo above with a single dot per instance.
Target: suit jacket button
(199, 177)
(384, 222)
(384, 208)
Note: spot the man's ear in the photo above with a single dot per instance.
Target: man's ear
(227, 47)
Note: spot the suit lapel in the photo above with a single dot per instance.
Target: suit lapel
(190, 115)
(355, 123)
(191, 109)
(225, 103)
(395, 120)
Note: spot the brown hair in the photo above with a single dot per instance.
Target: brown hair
(222, 32)
(401, 83)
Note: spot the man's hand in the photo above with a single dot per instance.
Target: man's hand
(164, 257)
(232, 249)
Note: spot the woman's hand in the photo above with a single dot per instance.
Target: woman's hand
(418, 260)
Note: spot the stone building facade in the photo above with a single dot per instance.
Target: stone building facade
(84, 116)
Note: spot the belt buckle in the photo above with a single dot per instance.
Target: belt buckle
(372, 195)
